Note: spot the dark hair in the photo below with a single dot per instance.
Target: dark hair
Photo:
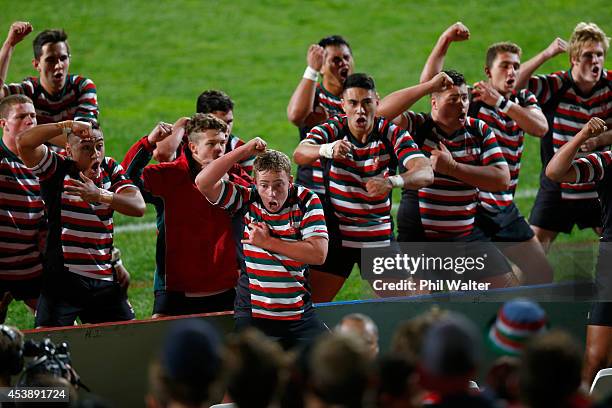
(7, 103)
(252, 369)
(214, 100)
(550, 369)
(456, 76)
(359, 81)
(49, 36)
(335, 40)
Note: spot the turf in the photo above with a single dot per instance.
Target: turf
(151, 61)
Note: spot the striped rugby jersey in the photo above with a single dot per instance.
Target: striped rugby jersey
(447, 207)
(597, 167)
(234, 142)
(331, 105)
(80, 233)
(21, 219)
(365, 221)
(573, 111)
(278, 285)
(510, 138)
(78, 99)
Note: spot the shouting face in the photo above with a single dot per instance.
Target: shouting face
(504, 72)
(88, 153)
(273, 188)
(587, 66)
(52, 66)
(360, 106)
(449, 108)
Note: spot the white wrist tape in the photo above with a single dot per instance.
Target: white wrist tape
(327, 150)
(396, 181)
(503, 104)
(507, 107)
(311, 74)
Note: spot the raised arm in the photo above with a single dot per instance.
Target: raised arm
(208, 180)
(139, 155)
(397, 102)
(435, 61)
(300, 106)
(30, 142)
(556, 47)
(530, 119)
(560, 167)
(17, 32)
(165, 149)
(492, 177)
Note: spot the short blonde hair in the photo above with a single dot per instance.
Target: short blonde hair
(200, 123)
(585, 33)
(272, 160)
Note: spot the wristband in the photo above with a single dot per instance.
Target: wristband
(507, 106)
(396, 181)
(311, 74)
(327, 150)
(503, 104)
(106, 197)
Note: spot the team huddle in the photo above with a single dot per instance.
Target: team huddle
(235, 232)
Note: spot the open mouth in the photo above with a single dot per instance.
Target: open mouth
(58, 75)
(595, 70)
(95, 169)
(344, 73)
(462, 118)
(510, 82)
(361, 121)
(273, 205)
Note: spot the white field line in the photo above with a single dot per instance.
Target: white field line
(144, 226)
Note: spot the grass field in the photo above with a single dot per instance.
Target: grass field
(151, 62)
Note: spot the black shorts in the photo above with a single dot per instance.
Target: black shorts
(92, 300)
(505, 226)
(176, 303)
(552, 213)
(340, 261)
(22, 289)
(601, 314)
(289, 333)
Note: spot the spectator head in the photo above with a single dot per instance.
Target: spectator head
(187, 368)
(252, 366)
(52, 59)
(550, 370)
(362, 327)
(450, 355)
(503, 379)
(219, 104)
(397, 383)
(11, 353)
(339, 371)
(516, 322)
(408, 338)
